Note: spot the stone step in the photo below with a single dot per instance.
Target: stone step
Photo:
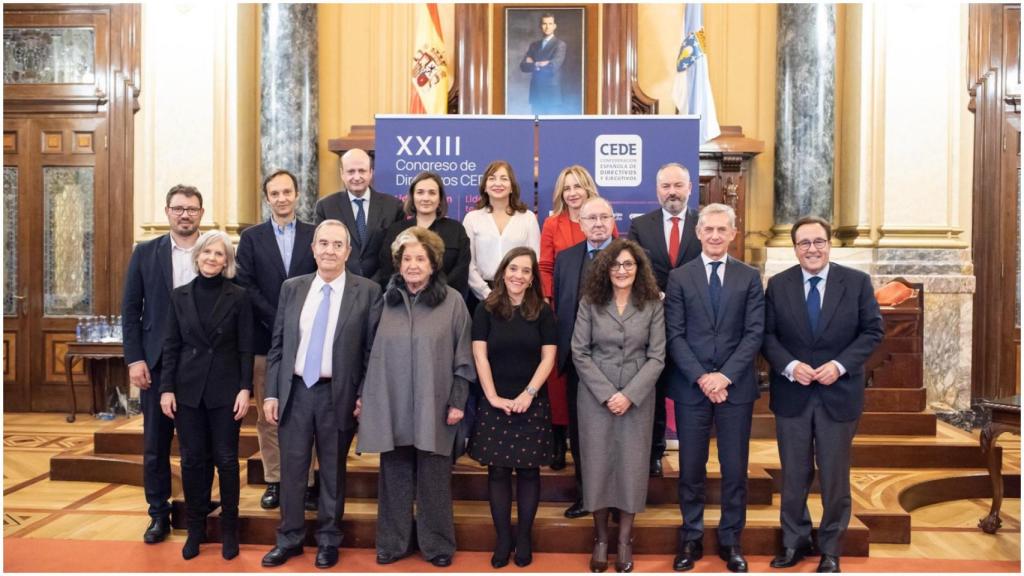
(871, 424)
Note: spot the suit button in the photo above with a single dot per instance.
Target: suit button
(210, 351)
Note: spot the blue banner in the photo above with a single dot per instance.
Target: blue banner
(457, 148)
(622, 153)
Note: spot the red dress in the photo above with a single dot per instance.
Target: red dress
(558, 234)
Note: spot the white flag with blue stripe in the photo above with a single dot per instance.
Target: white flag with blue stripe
(692, 88)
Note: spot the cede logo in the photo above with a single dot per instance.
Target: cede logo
(618, 160)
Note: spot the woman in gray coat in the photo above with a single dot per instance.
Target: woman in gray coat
(618, 349)
(415, 391)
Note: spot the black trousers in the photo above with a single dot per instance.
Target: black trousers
(658, 444)
(814, 437)
(310, 415)
(572, 387)
(205, 433)
(732, 429)
(157, 434)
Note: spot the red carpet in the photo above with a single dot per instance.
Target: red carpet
(38, 555)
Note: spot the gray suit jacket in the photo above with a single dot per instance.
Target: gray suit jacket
(361, 305)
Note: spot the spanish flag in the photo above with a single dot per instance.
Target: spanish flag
(430, 75)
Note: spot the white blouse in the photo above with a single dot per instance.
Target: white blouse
(488, 246)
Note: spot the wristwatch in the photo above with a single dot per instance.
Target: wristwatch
(531, 391)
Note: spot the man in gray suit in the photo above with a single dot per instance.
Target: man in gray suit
(714, 317)
(321, 343)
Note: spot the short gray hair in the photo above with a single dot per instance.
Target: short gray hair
(711, 209)
(673, 165)
(211, 237)
(332, 222)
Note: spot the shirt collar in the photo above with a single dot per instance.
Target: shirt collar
(282, 229)
(336, 285)
(706, 260)
(823, 274)
(667, 216)
(602, 246)
(174, 245)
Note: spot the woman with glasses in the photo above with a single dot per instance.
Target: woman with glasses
(562, 230)
(618, 348)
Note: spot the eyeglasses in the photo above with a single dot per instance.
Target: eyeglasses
(626, 266)
(805, 245)
(178, 210)
(595, 217)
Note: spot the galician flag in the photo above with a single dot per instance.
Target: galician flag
(692, 88)
(430, 76)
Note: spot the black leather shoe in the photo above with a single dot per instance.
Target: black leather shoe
(790, 557)
(312, 498)
(442, 560)
(599, 557)
(278, 556)
(689, 552)
(576, 510)
(829, 563)
(624, 557)
(733, 557)
(656, 470)
(326, 556)
(499, 561)
(523, 561)
(158, 529)
(271, 496)
(385, 558)
(558, 460)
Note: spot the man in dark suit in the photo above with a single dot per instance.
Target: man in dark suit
(822, 322)
(543, 61)
(714, 317)
(364, 211)
(156, 267)
(269, 254)
(669, 236)
(320, 347)
(571, 265)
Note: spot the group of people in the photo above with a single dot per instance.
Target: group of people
(396, 321)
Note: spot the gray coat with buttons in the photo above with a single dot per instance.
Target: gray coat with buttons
(617, 353)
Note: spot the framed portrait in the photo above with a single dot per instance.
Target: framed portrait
(545, 59)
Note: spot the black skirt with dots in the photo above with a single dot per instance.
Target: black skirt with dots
(513, 440)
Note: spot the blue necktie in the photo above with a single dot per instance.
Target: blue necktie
(814, 303)
(592, 253)
(715, 288)
(315, 352)
(360, 220)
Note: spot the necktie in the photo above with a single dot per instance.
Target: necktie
(673, 242)
(360, 220)
(813, 303)
(315, 352)
(592, 252)
(715, 288)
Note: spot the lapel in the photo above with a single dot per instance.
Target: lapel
(192, 313)
(699, 283)
(349, 220)
(163, 261)
(613, 311)
(656, 226)
(268, 238)
(688, 242)
(565, 229)
(835, 288)
(798, 302)
(373, 214)
(292, 315)
(345, 309)
(732, 269)
(302, 246)
(225, 302)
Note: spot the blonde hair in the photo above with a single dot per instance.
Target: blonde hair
(582, 176)
(430, 241)
(212, 237)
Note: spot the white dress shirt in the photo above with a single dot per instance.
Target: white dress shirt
(181, 264)
(666, 218)
(309, 309)
(823, 274)
(355, 207)
(707, 267)
(488, 246)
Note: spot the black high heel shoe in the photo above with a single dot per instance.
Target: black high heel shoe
(599, 557)
(624, 557)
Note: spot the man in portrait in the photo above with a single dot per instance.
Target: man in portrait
(543, 61)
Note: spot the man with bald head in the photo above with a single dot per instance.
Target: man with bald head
(597, 220)
(669, 237)
(363, 210)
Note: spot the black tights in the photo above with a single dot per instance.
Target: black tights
(499, 485)
(625, 531)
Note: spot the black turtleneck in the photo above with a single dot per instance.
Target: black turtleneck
(207, 291)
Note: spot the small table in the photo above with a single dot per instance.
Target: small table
(98, 375)
(1005, 418)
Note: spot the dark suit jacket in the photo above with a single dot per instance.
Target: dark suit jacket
(545, 82)
(566, 296)
(208, 366)
(261, 272)
(384, 211)
(700, 343)
(361, 305)
(649, 231)
(849, 329)
(147, 296)
(456, 252)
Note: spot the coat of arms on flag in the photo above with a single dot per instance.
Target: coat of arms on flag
(691, 50)
(429, 67)
(430, 76)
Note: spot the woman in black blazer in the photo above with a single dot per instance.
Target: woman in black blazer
(206, 382)
(427, 206)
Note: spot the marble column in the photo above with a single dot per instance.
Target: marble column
(289, 105)
(805, 115)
